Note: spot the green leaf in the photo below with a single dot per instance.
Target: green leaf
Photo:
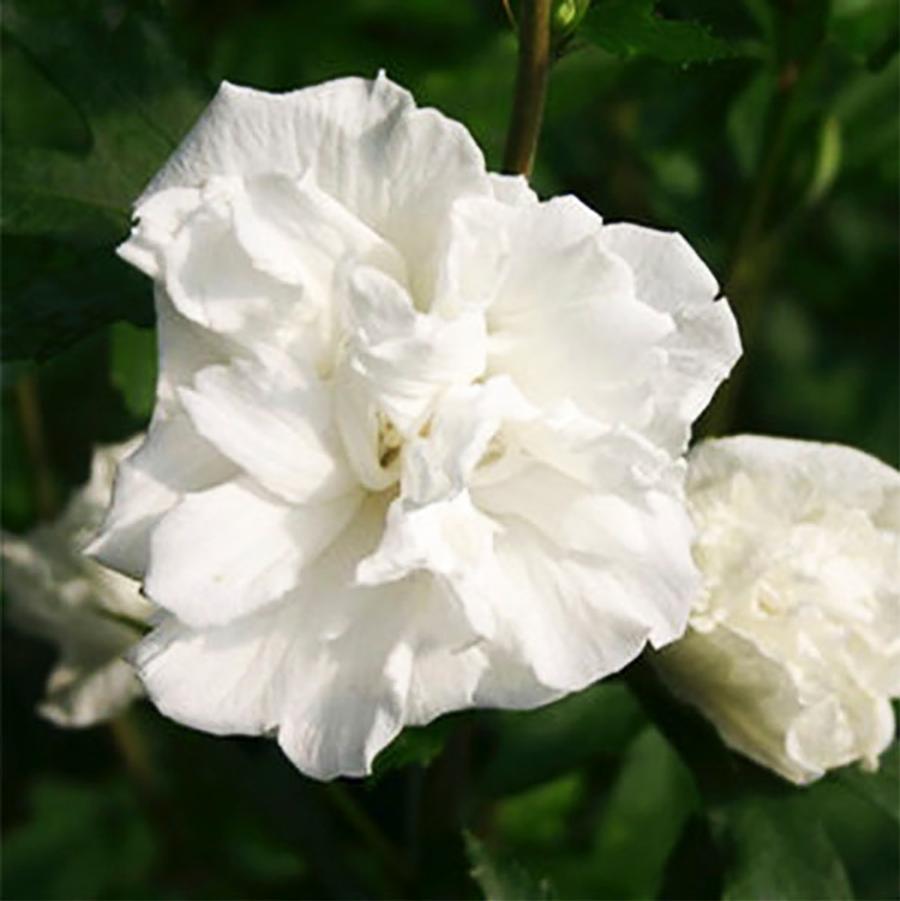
(693, 869)
(79, 841)
(124, 100)
(535, 822)
(649, 803)
(746, 122)
(776, 847)
(55, 293)
(133, 366)
(633, 28)
(800, 29)
(866, 109)
(417, 745)
(866, 29)
(116, 65)
(881, 788)
(503, 880)
(770, 835)
(539, 745)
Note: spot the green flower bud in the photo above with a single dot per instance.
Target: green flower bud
(565, 18)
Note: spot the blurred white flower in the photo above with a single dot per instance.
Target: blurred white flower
(793, 650)
(91, 614)
(417, 439)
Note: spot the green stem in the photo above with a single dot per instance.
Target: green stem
(130, 745)
(32, 422)
(125, 735)
(531, 87)
(394, 861)
(747, 268)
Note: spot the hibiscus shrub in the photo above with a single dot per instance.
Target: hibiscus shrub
(421, 493)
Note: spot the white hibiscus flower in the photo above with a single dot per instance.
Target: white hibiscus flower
(793, 651)
(417, 437)
(93, 615)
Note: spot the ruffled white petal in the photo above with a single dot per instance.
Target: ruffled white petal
(395, 167)
(787, 468)
(794, 648)
(465, 435)
(336, 669)
(300, 234)
(184, 349)
(86, 612)
(413, 443)
(604, 528)
(563, 319)
(404, 357)
(172, 461)
(91, 614)
(214, 281)
(572, 621)
(277, 425)
(704, 346)
(396, 365)
(225, 552)
(327, 669)
(79, 695)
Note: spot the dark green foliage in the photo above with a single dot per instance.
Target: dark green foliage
(79, 840)
(630, 28)
(416, 746)
(537, 747)
(132, 367)
(881, 788)
(765, 131)
(506, 881)
(121, 97)
(776, 847)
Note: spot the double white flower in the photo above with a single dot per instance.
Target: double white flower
(93, 615)
(794, 647)
(418, 435)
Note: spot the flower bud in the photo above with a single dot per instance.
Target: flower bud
(793, 649)
(565, 17)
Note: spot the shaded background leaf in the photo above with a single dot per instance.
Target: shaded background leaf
(503, 881)
(633, 28)
(118, 92)
(777, 848)
(97, 93)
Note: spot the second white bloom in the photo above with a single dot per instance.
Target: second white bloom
(793, 648)
(418, 435)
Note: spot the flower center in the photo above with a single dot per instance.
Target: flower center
(389, 442)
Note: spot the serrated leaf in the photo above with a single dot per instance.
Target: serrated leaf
(503, 880)
(633, 28)
(132, 366)
(51, 193)
(115, 63)
(65, 210)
